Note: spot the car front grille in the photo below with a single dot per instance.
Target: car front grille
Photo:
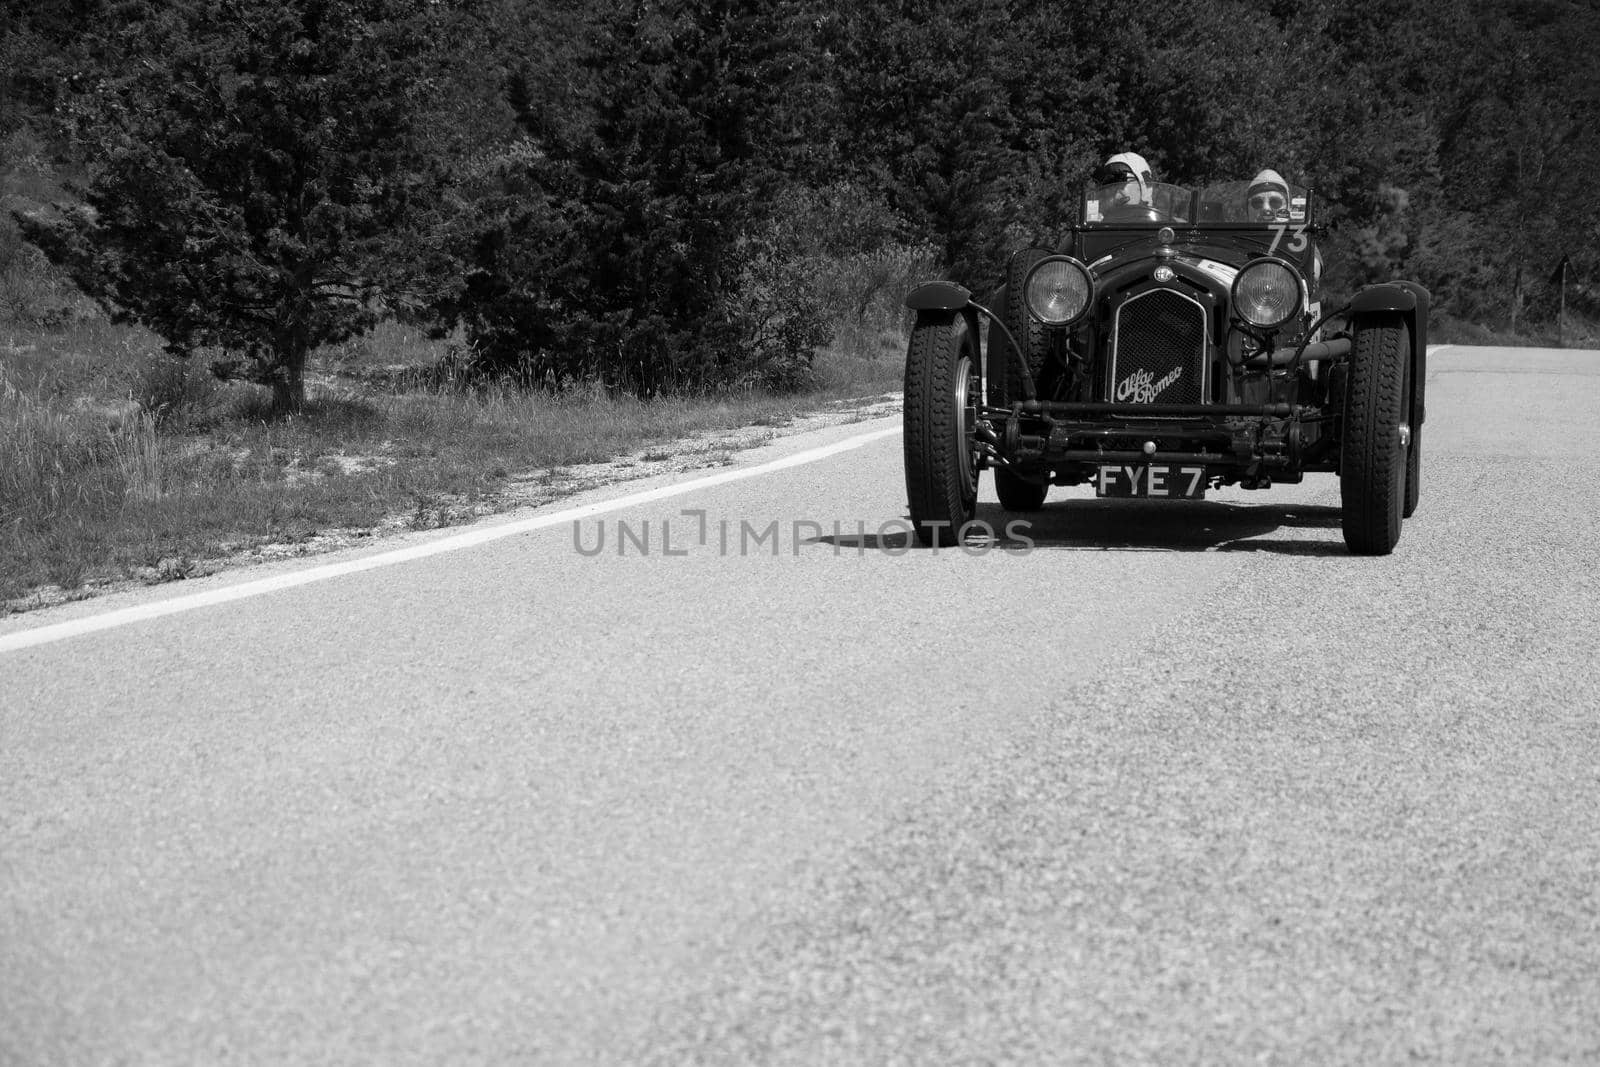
(1159, 354)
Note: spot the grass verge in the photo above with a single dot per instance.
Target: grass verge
(118, 464)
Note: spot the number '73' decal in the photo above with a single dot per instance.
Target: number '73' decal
(1297, 243)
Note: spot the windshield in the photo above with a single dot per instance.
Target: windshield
(1233, 202)
(1225, 203)
(1133, 203)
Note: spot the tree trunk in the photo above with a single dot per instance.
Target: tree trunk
(289, 384)
(291, 341)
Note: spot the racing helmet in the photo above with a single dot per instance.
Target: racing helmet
(1268, 196)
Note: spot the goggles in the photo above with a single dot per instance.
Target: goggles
(1268, 202)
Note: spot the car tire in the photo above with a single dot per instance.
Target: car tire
(1005, 377)
(1372, 461)
(1017, 493)
(940, 415)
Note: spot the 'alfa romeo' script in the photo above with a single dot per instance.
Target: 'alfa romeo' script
(1140, 387)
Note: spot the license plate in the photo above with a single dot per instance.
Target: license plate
(1164, 481)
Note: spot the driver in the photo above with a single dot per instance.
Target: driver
(1129, 170)
(1267, 199)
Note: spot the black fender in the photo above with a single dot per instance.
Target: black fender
(1386, 296)
(1412, 301)
(939, 296)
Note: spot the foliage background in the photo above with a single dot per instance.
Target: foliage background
(661, 195)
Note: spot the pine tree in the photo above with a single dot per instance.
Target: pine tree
(264, 172)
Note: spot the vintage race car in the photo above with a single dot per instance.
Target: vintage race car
(1166, 347)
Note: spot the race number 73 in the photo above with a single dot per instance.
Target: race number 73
(1297, 242)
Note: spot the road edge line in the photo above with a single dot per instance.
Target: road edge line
(60, 631)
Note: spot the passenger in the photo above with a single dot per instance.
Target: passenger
(1129, 170)
(1267, 199)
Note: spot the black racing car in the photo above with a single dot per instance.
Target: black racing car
(1168, 346)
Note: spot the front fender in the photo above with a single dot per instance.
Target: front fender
(1412, 301)
(939, 296)
(1386, 296)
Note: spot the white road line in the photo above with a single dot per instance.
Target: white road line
(123, 616)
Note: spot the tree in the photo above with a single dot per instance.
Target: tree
(976, 119)
(265, 172)
(634, 247)
(1211, 91)
(1518, 142)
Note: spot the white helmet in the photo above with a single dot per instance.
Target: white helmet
(1136, 165)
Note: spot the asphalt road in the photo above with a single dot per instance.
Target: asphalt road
(1178, 783)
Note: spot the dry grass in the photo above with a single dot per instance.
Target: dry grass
(116, 462)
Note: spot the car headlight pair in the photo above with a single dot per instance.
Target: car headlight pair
(1266, 293)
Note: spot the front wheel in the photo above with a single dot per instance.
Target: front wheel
(1372, 459)
(940, 418)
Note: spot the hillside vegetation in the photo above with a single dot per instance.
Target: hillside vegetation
(652, 194)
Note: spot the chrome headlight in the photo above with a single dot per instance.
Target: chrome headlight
(1058, 290)
(1266, 293)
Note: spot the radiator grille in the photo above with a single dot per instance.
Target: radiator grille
(1160, 350)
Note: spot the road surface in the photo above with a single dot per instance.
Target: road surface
(1176, 782)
